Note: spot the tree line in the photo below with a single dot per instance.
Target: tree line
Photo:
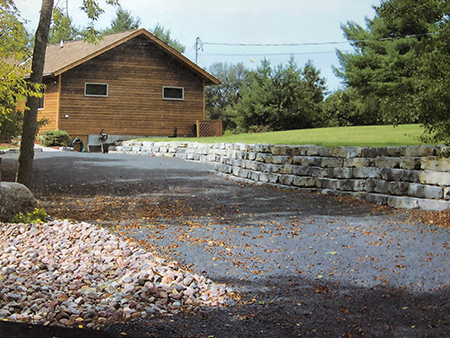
(396, 74)
(265, 99)
(284, 97)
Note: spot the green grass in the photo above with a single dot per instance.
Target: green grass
(365, 136)
(4, 146)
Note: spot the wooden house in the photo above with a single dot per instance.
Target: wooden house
(130, 84)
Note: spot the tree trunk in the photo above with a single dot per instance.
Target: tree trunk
(25, 168)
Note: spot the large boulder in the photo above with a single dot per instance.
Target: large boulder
(15, 198)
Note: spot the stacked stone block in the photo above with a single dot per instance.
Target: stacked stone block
(401, 177)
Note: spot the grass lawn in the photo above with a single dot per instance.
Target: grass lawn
(4, 146)
(365, 136)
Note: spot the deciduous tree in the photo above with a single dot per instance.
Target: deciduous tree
(220, 100)
(26, 155)
(347, 107)
(13, 56)
(61, 28)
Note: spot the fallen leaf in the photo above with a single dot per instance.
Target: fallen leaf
(321, 289)
(344, 309)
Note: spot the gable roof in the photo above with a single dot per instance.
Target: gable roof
(59, 60)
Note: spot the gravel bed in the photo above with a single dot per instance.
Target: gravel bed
(80, 275)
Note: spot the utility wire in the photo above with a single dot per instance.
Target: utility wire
(310, 43)
(274, 54)
(190, 49)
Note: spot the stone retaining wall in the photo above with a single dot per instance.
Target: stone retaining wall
(401, 177)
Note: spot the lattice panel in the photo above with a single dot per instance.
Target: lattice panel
(209, 128)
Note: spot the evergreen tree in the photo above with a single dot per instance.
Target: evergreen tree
(123, 21)
(347, 107)
(164, 35)
(431, 96)
(221, 99)
(381, 65)
(283, 98)
(403, 62)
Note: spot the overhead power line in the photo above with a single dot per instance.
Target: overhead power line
(271, 44)
(199, 46)
(310, 43)
(274, 54)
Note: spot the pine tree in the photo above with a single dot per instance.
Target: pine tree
(164, 35)
(123, 21)
(402, 59)
(281, 98)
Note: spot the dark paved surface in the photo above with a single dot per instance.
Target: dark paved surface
(305, 264)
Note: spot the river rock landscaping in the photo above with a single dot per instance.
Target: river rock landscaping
(77, 274)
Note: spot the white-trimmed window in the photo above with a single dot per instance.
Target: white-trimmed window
(173, 93)
(96, 89)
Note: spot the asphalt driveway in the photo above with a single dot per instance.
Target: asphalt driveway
(304, 264)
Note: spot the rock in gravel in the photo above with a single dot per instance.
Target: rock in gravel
(69, 273)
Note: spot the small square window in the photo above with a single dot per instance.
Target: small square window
(96, 89)
(173, 93)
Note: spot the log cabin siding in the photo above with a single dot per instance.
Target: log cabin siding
(136, 72)
(50, 105)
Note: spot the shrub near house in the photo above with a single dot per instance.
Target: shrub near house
(53, 138)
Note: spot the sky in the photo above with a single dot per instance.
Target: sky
(299, 22)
